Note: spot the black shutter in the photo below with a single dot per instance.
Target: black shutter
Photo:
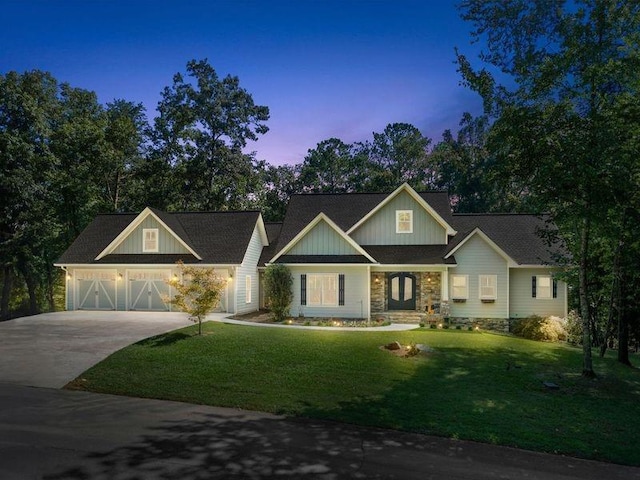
(533, 287)
(341, 289)
(303, 289)
(555, 288)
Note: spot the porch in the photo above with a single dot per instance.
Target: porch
(409, 297)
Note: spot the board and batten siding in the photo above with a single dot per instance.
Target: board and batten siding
(356, 304)
(249, 266)
(522, 304)
(167, 243)
(322, 240)
(475, 258)
(380, 229)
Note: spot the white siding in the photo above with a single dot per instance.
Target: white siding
(167, 242)
(522, 304)
(380, 229)
(322, 240)
(249, 267)
(475, 258)
(356, 303)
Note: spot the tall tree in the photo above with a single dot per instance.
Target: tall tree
(29, 111)
(399, 155)
(203, 124)
(333, 167)
(565, 65)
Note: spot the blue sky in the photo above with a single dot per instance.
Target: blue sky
(324, 68)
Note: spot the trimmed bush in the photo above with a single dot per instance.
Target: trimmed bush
(550, 329)
(277, 286)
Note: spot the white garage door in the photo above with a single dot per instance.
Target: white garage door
(96, 289)
(147, 289)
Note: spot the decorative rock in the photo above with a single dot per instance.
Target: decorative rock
(393, 346)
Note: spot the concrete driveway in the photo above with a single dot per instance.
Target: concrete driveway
(51, 349)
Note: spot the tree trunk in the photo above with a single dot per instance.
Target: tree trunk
(7, 278)
(33, 294)
(587, 365)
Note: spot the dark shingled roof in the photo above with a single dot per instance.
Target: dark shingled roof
(218, 237)
(517, 234)
(344, 209)
(323, 259)
(409, 254)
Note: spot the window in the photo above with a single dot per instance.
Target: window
(459, 287)
(542, 287)
(322, 290)
(404, 221)
(488, 287)
(149, 240)
(247, 286)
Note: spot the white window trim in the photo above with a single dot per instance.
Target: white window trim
(322, 303)
(402, 212)
(247, 286)
(494, 285)
(144, 240)
(548, 297)
(453, 286)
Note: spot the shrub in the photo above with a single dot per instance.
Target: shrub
(573, 326)
(550, 329)
(277, 285)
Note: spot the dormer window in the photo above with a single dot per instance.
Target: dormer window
(149, 240)
(404, 221)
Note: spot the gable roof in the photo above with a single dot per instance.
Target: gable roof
(419, 200)
(322, 217)
(517, 235)
(219, 238)
(344, 209)
(157, 214)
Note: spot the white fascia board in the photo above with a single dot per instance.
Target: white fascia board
(477, 231)
(319, 218)
(96, 266)
(306, 265)
(135, 224)
(262, 231)
(405, 267)
(406, 188)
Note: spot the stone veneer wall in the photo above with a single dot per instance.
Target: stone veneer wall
(494, 324)
(427, 283)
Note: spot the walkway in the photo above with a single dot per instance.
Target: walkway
(394, 327)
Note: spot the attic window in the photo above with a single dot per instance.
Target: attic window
(404, 221)
(149, 240)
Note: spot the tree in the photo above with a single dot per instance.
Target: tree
(200, 131)
(333, 167)
(398, 155)
(565, 68)
(277, 284)
(198, 292)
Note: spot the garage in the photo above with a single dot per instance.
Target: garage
(96, 289)
(147, 289)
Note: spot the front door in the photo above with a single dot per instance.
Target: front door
(402, 291)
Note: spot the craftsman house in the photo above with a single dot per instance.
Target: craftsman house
(398, 256)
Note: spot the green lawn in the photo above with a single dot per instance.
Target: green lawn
(477, 386)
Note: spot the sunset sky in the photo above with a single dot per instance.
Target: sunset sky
(324, 68)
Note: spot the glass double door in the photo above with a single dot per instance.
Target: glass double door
(402, 291)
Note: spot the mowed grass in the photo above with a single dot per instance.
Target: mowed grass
(476, 386)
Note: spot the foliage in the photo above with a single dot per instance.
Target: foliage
(548, 329)
(277, 285)
(569, 74)
(198, 292)
(469, 392)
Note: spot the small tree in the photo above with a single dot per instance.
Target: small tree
(277, 285)
(198, 292)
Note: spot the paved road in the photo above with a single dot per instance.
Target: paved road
(51, 349)
(59, 434)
